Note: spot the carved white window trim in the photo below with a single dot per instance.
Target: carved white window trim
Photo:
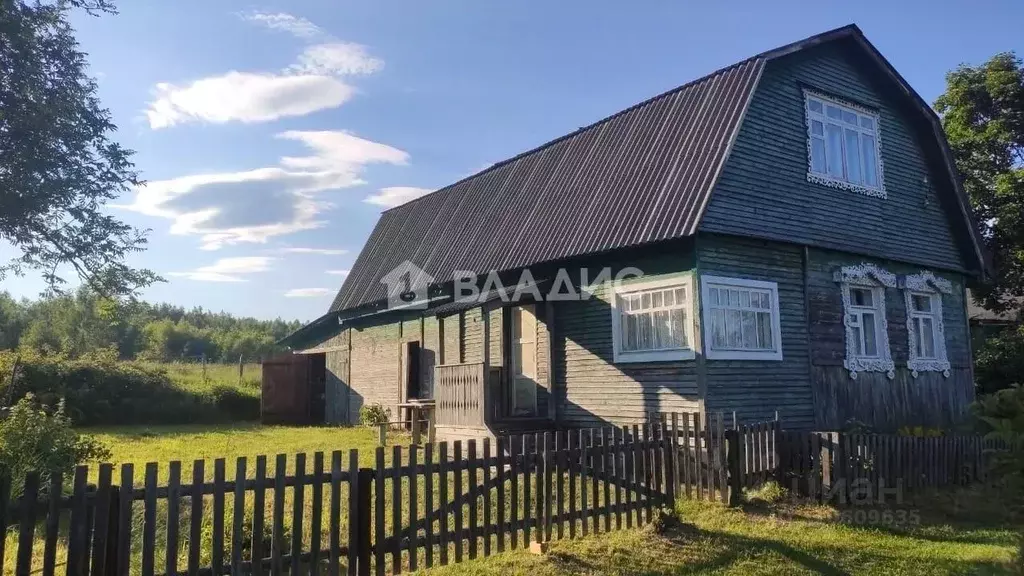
(832, 181)
(933, 286)
(867, 276)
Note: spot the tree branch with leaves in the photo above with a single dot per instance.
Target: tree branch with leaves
(59, 165)
(983, 114)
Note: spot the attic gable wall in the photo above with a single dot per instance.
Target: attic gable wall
(763, 191)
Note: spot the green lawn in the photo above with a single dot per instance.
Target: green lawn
(799, 539)
(162, 444)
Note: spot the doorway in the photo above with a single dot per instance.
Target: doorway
(523, 351)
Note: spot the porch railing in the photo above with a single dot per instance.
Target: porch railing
(461, 394)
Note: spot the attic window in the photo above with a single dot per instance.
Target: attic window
(843, 146)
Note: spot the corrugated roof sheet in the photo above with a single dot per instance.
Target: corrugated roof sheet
(639, 176)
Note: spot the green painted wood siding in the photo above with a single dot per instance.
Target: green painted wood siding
(763, 190)
(930, 400)
(755, 389)
(590, 389)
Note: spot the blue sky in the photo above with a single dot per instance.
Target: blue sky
(273, 134)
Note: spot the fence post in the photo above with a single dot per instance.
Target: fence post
(113, 534)
(415, 426)
(363, 519)
(735, 476)
(382, 435)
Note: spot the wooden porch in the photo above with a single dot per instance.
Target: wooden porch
(472, 400)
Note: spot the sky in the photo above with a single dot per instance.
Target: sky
(271, 135)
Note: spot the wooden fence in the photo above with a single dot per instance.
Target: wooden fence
(401, 508)
(404, 508)
(843, 467)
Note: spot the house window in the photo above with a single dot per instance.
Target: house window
(867, 307)
(923, 316)
(925, 331)
(867, 331)
(652, 321)
(843, 149)
(741, 318)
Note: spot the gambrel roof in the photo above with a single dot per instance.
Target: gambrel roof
(642, 175)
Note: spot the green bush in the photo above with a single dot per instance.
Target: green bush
(374, 415)
(100, 390)
(1001, 417)
(235, 404)
(999, 363)
(34, 437)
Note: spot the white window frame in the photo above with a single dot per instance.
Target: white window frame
(825, 177)
(620, 357)
(926, 284)
(877, 280)
(706, 284)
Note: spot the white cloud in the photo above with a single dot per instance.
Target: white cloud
(308, 292)
(396, 195)
(245, 97)
(337, 58)
(338, 272)
(312, 83)
(323, 251)
(294, 25)
(255, 205)
(227, 269)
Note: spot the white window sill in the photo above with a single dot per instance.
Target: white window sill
(767, 356)
(653, 356)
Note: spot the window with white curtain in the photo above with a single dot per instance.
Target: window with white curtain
(741, 319)
(843, 145)
(652, 320)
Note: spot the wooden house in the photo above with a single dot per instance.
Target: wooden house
(803, 238)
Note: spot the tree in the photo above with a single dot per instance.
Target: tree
(58, 164)
(983, 115)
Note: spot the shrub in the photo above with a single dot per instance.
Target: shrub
(234, 404)
(100, 390)
(34, 437)
(1000, 362)
(374, 415)
(1001, 417)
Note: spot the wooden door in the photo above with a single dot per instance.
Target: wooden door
(524, 361)
(285, 390)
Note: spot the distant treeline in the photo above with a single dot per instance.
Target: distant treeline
(74, 325)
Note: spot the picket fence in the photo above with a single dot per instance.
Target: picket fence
(413, 507)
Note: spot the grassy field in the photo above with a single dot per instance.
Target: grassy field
(790, 539)
(195, 377)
